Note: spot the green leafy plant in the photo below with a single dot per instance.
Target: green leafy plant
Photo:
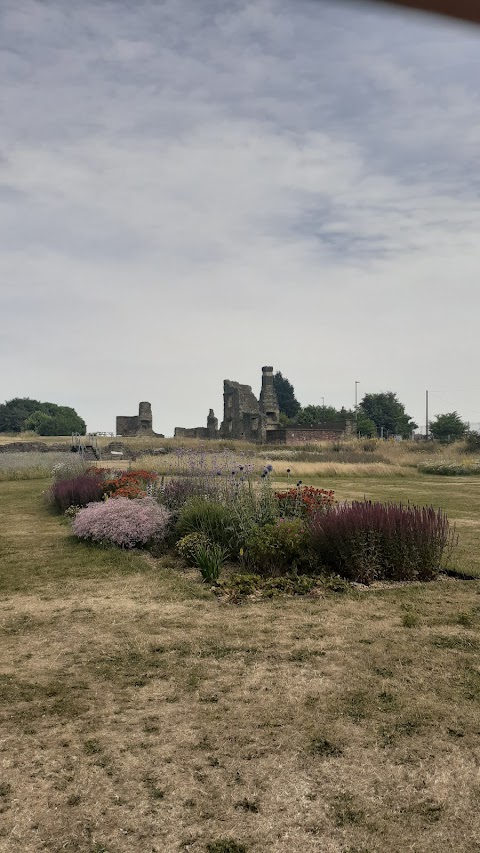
(240, 586)
(279, 548)
(209, 558)
(448, 427)
(213, 519)
(188, 545)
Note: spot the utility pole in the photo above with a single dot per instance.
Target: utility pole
(357, 383)
(323, 402)
(426, 414)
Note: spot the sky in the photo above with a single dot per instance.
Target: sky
(191, 190)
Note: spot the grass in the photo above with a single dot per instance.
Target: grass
(31, 465)
(139, 713)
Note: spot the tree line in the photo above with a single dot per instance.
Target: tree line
(22, 414)
(380, 414)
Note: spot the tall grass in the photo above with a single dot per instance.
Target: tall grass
(296, 470)
(29, 466)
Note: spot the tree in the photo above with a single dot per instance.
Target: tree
(14, 413)
(311, 415)
(365, 426)
(448, 427)
(43, 418)
(386, 412)
(55, 420)
(287, 401)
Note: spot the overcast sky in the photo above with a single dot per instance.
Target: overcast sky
(191, 189)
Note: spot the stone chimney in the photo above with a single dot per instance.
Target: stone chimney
(268, 399)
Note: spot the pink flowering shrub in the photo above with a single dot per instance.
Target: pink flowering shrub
(123, 521)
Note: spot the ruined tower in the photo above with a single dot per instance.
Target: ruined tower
(212, 425)
(145, 418)
(140, 424)
(268, 400)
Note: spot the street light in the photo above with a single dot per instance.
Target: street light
(357, 383)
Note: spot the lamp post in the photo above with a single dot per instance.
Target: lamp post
(357, 383)
(426, 415)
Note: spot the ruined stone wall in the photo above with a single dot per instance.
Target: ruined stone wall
(306, 435)
(241, 412)
(127, 426)
(140, 424)
(210, 431)
(191, 432)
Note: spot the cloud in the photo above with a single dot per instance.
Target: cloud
(189, 191)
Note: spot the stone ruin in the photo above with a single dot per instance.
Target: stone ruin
(134, 425)
(244, 417)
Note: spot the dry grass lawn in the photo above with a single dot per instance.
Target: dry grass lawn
(141, 715)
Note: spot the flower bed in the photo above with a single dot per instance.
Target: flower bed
(239, 518)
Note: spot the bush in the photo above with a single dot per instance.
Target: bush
(472, 442)
(200, 515)
(187, 547)
(123, 521)
(300, 502)
(450, 469)
(278, 549)
(130, 484)
(368, 541)
(77, 491)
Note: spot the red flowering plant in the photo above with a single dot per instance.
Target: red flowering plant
(130, 484)
(304, 501)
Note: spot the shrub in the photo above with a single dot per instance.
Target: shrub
(129, 484)
(77, 491)
(301, 502)
(278, 549)
(368, 541)
(450, 469)
(187, 547)
(200, 515)
(472, 442)
(124, 521)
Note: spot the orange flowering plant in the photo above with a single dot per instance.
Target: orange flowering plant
(129, 484)
(303, 501)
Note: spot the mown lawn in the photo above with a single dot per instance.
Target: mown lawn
(141, 715)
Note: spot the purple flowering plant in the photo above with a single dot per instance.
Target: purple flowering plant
(122, 521)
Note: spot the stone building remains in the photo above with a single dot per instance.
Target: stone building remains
(140, 424)
(248, 419)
